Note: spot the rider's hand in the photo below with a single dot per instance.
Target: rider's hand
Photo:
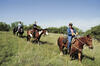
(73, 34)
(76, 33)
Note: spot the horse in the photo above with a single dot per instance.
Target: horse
(77, 45)
(15, 30)
(20, 31)
(38, 34)
(62, 42)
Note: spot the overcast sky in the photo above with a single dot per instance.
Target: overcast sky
(84, 14)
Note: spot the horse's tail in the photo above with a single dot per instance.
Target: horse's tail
(58, 43)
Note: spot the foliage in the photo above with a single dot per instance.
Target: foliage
(4, 26)
(95, 32)
(80, 32)
(63, 29)
(53, 29)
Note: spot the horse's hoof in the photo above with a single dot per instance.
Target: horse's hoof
(80, 62)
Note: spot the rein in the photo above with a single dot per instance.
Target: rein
(79, 41)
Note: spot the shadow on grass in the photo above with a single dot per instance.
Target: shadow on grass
(83, 56)
(88, 57)
(24, 37)
(41, 42)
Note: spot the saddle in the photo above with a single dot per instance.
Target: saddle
(73, 40)
(66, 39)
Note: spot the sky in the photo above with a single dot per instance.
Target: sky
(84, 14)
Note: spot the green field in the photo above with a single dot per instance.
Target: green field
(15, 51)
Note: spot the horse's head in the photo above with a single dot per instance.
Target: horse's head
(45, 32)
(89, 41)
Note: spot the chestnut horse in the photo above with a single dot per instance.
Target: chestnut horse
(38, 34)
(77, 45)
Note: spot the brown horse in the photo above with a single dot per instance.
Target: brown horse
(38, 34)
(61, 44)
(77, 45)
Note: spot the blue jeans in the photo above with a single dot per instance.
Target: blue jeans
(69, 41)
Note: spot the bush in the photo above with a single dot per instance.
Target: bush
(4, 26)
(53, 30)
(95, 32)
(62, 29)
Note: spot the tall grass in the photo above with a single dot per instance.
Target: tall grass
(23, 53)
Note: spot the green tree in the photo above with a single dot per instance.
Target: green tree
(4, 26)
(80, 32)
(15, 24)
(63, 29)
(94, 31)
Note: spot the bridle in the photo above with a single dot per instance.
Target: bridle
(79, 41)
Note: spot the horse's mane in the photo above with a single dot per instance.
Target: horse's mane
(81, 40)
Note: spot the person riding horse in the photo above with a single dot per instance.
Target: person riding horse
(34, 28)
(19, 26)
(71, 34)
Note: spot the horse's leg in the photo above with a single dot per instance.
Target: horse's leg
(17, 33)
(38, 42)
(22, 35)
(72, 52)
(61, 50)
(79, 56)
(28, 37)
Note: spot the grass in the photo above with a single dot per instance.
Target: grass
(15, 51)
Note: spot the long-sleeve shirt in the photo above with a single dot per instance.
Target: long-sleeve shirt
(69, 31)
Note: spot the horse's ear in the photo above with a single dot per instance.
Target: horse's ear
(88, 36)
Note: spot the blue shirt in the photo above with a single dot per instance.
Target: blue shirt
(69, 31)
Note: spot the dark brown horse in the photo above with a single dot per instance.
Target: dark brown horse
(38, 34)
(61, 44)
(77, 45)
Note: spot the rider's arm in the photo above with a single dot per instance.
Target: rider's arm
(76, 33)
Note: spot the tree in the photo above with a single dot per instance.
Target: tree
(15, 24)
(94, 32)
(80, 32)
(4, 26)
(63, 29)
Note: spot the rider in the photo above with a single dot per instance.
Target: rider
(19, 25)
(34, 28)
(71, 34)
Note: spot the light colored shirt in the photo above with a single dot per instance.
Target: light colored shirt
(19, 25)
(72, 31)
